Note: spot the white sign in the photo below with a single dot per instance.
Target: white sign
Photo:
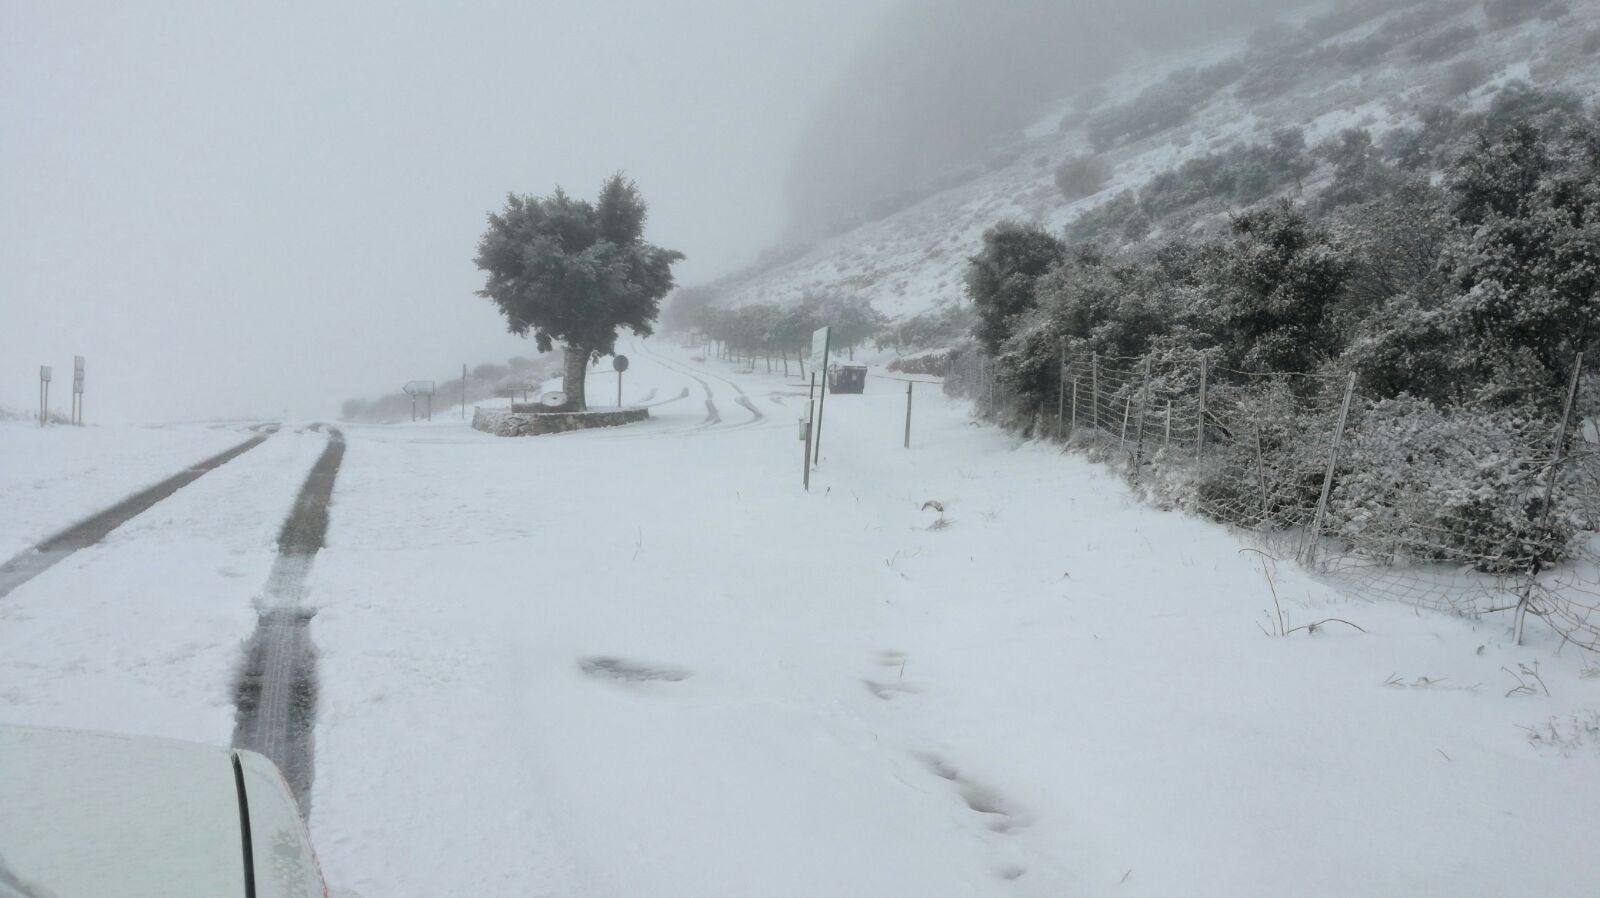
(819, 347)
(419, 388)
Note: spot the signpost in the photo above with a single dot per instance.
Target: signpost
(77, 390)
(821, 346)
(417, 389)
(44, 395)
(619, 364)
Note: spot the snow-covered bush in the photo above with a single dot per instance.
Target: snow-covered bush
(1443, 44)
(1464, 486)
(1081, 176)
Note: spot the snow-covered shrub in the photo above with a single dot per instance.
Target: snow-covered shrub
(1160, 106)
(1267, 450)
(1504, 13)
(1464, 75)
(1081, 176)
(1463, 486)
(1442, 44)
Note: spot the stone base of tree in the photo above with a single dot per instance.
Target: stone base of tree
(529, 424)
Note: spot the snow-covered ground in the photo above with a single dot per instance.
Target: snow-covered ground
(51, 477)
(643, 661)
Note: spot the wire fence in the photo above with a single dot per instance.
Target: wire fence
(1466, 510)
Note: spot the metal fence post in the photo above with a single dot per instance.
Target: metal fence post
(1200, 429)
(909, 385)
(1534, 563)
(1061, 389)
(1309, 552)
(1094, 392)
(1073, 430)
(1144, 412)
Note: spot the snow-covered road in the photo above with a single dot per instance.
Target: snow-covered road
(644, 662)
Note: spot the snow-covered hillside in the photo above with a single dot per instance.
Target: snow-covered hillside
(1368, 68)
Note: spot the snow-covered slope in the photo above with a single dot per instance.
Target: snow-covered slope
(910, 261)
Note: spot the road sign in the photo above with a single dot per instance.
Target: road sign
(821, 346)
(77, 389)
(416, 389)
(619, 363)
(44, 373)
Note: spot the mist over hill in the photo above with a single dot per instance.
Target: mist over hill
(941, 81)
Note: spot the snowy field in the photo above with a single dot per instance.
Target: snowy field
(53, 476)
(643, 662)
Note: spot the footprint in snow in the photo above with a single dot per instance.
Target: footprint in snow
(622, 670)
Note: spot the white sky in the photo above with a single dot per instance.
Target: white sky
(238, 209)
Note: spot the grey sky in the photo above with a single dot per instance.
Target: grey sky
(241, 209)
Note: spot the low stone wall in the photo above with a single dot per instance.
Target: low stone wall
(529, 424)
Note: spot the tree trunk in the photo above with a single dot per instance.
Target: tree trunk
(577, 367)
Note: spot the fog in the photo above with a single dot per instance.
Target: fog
(939, 81)
(247, 210)
(258, 211)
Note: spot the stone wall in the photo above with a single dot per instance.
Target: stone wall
(528, 424)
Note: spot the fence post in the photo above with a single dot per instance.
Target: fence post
(1144, 412)
(1127, 412)
(1061, 389)
(909, 385)
(1261, 479)
(1200, 429)
(1309, 552)
(1549, 493)
(1074, 428)
(988, 366)
(1166, 438)
(1094, 393)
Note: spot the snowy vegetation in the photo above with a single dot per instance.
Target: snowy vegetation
(1459, 307)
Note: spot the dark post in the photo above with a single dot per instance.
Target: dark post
(811, 410)
(822, 399)
(909, 385)
(1061, 389)
(463, 392)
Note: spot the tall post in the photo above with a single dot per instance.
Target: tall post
(1061, 389)
(811, 417)
(1094, 392)
(1074, 430)
(1166, 438)
(1309, 553)
(822, 397)
(619, 389)
(1261, 478)
(1549, 493)
(909, 385)
(989, 367)
(463, 392)
(1144, 412)
(1200, 428)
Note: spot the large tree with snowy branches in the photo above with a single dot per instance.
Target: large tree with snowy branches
(574, 272)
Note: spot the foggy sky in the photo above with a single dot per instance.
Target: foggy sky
(239, 210)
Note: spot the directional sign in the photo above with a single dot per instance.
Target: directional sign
(819, 347)
(418, 388)
(44, 373)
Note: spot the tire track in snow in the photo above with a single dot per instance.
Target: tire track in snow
(35, 561)
(756, 415)
(275, 693)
